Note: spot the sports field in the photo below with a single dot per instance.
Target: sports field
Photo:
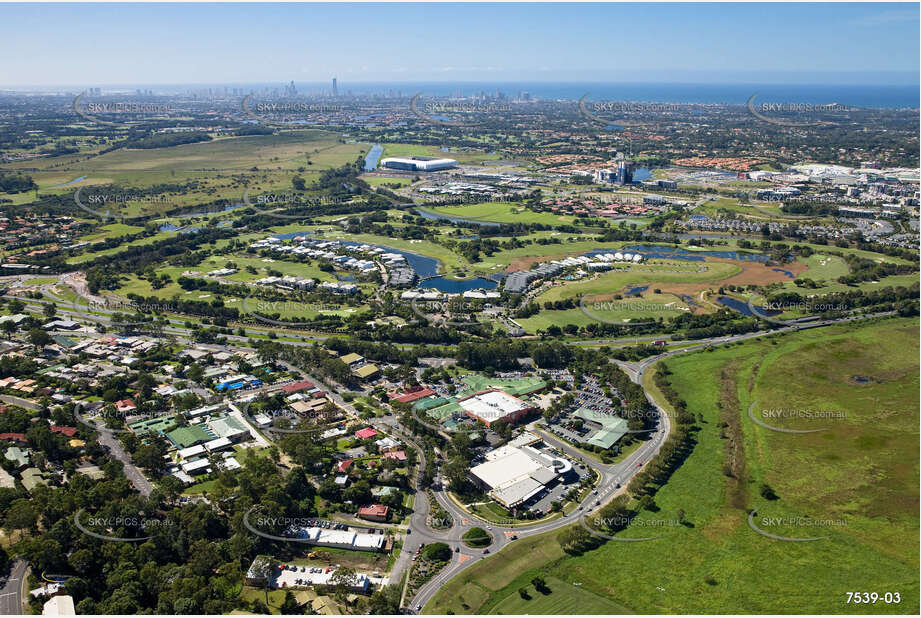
(512, 386)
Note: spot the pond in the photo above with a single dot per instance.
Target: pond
(742, 307)
(451, 286)
(440, 217)
(680, 253)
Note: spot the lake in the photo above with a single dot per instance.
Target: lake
(440, 217)
(679, 253)
(373, 157)
(450, 286)
(742, 307)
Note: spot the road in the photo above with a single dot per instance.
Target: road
(19, 401)
(613, 478)
(132, 472)
(11, 590)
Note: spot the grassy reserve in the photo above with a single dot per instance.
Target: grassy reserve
(853, 477)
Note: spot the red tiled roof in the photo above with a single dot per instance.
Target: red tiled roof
(409, 397)
(70, 432)
(374, 510)
(398, 455)
(19, 437)
(297, 386)
(344, 465)
(367, 432)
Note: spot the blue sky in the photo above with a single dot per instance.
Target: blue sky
(66, 44)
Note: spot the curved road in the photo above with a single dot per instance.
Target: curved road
(613, 478)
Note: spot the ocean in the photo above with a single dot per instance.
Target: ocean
(875, 96)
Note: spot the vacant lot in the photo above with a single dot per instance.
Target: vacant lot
(862, 471)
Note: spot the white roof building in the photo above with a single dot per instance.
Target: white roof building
(514, 473)
(60, 605)
(492, 406)
(418, 165)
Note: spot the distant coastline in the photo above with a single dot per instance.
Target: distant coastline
(895, 96)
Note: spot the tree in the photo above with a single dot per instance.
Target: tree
(437, 552)
(290, 605)
(50, 310)
(385, 601)
(343, 579)
(21, 515)
(39, 338)
(456, 473)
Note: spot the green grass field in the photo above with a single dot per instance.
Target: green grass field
(501, 212)
(562, 599)
(649, 306)
(863, 471)
(217, 170)
(649, 273)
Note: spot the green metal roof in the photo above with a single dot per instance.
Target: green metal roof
(612, 429)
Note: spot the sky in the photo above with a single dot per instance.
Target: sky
(109, 44)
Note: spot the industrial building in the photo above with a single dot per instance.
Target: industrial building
(516, 473)
(418, 164)
(494, 405)
(343, 539)
(605, 429)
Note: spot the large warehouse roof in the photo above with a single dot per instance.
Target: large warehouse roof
(418, 164)
(493, 405)
(511, 465)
